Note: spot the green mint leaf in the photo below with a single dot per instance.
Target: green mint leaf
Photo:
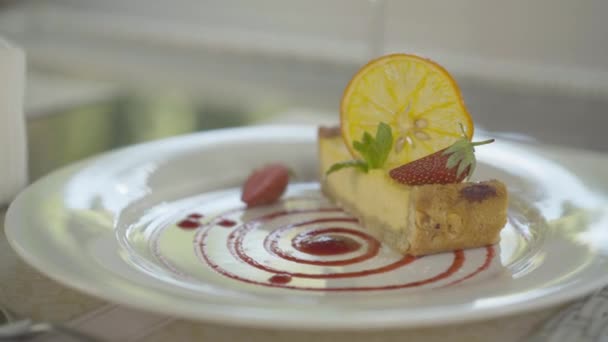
(370, 157)
(384, 143)
(360, 164)
(358, 146)
(367, 146)
(375, 150)
(366, 140)
(363, 146)
(362, 149)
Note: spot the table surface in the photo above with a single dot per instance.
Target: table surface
(31, 294)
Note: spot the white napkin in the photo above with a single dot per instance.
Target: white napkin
(13, 149)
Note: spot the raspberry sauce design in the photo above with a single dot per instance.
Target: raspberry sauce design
(316, 243)
(313, 249)
(188, 224)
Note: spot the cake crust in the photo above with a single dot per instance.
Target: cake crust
(447, 217)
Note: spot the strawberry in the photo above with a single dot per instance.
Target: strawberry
(450, 165)
(265, 185)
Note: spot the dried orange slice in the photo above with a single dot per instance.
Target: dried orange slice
(416, 97)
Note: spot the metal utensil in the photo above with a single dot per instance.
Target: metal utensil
(12, 327)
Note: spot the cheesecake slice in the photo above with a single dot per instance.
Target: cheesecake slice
(415, 220)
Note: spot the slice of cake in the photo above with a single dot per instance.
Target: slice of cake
(413, 220)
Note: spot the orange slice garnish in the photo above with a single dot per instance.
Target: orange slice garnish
(416, 97)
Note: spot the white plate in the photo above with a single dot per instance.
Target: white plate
(107, 227)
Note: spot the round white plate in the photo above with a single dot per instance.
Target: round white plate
(109, 227)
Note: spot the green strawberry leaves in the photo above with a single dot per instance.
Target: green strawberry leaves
(462, 154)
(373, 150)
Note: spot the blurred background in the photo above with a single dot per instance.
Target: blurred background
(104, 74)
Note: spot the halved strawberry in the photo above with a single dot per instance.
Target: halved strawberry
(265, 185)
(450, 165)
